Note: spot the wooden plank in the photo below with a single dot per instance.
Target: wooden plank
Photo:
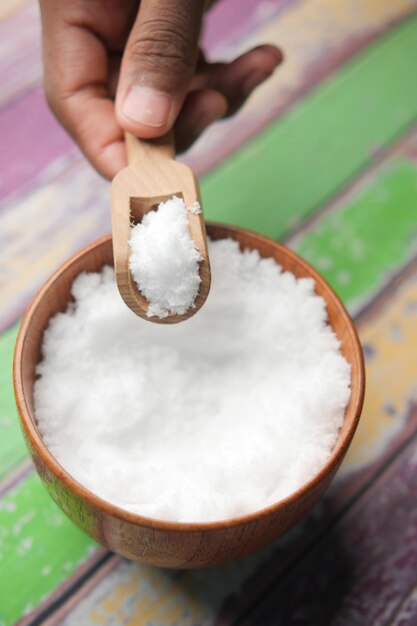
(35, 142)
(391, 378)
(227, 23)
(361, 571)
(380, 424)
(406, 614)
(60, 217)
(367, 215)
(44, 218)
(8, 7)
(358, 234)
(37, 543)
(275, 157)
(25, 121)
(328, 137)
(20, 52)
(12, 447)
(330, 31)
(222, 595)
(317, 36)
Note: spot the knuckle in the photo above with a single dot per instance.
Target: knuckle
(163, 46)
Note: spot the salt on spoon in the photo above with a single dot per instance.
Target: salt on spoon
(164, 260)
(151, 178)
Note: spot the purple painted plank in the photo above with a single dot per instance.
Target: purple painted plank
(34, 140)
(406, 614)
(229, 20)
(20, 52)
(361, 571)
(31, 140)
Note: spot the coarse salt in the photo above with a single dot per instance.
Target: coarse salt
(164, 260)
(213, 418)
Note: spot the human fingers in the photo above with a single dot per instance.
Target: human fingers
(158, 65)
(78, 69)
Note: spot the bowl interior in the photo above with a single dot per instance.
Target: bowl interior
(55, 295)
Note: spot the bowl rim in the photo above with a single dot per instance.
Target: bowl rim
(91, 499)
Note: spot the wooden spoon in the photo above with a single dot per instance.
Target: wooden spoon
(151, 177)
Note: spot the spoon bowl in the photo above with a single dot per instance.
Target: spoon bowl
(153, 176)
(152, 541)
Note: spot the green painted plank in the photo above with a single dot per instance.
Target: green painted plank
(301, 160)
(370, 236)
(39, 548)
(365, 238)
(12, 447)
(27, 512)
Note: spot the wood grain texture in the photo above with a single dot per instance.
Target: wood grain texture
(20, 52)
(229, 22)
(25, 120)
(357, 474)
(8, 7)
(36, 540)
(69, 212)
(337, 27)
(381, 428)
(372, 98)
(59, 250)
(153, 176)
(164, 543)
(272, 204)
(317, 36)
(37, 147)
(12, 448)
(361, 570)
(141, 595)
(367, 253)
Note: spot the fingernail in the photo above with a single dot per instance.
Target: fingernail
(146, 106)
(253, 81)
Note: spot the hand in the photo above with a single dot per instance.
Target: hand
(112, 65)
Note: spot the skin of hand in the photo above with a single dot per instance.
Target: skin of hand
(118, 65)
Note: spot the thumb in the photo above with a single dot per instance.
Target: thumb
(158, 65)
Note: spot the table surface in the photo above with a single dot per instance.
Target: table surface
(323, 157)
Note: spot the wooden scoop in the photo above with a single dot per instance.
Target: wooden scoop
(151, 177)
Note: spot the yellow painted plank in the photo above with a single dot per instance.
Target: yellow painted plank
(7, 7)
(140, 596)
(390, 341)
(313, 34)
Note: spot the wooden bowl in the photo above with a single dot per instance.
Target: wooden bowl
(151, 541)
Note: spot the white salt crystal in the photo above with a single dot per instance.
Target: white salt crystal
(164, 259)
(195, 208)
(216, 417)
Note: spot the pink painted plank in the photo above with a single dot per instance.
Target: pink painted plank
(35, 142)
(361, 571)
(31, 141)
(348, 486)
(20, 52)
(20, 38)
(228, 20)
(406, 614)
(314, 50)
(33, 138)
(231, 590)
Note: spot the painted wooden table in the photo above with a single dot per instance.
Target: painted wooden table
(324, 157)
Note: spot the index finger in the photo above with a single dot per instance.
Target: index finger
(77, 74)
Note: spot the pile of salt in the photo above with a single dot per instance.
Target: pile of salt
(209, 419)
(164, 259)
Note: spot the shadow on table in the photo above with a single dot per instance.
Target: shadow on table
(301, 579)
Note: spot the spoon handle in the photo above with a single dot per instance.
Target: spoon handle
(138, 149)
